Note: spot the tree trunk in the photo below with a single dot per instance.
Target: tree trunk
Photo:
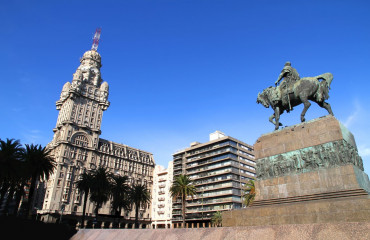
(183, 211)
(4, 189)
(84, 210)
(118, 213)
(29, 209)
(97, 210)
(137, 206)
(9, 199)
(96, 213)
(18, 196)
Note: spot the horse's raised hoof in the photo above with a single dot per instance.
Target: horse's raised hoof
(303, 119)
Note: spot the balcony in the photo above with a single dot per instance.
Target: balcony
(176, 207)
(177, 157)
(209, 148)
(231, 169)
(213, 167)
(162, 180)
(224, 200)
(177, 219)
(161, 205)
(161, 192)
(162, 185)
(160, 212)
(161, 199)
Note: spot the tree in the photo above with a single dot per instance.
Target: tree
(182, 187)
(119, 194)
(140, 197)
(249, 193)
(217, 219)
(20, 188)
(84, 185)
(18, 181)
(40, 165)
(100, 189)
(10, 155)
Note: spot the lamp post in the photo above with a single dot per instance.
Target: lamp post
(37, 214)
(62, 207)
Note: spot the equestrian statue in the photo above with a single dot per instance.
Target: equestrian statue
(293, 90)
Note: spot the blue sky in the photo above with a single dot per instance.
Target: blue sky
(179, 70)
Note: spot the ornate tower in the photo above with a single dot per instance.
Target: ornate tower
(82, 103)
(77, 147)
(76, 135)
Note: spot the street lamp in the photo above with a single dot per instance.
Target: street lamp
(37, 214)
(62, 207)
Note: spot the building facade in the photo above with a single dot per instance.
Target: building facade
(77, 147)
(161, 198)
(219, 169)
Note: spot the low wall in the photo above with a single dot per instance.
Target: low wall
(341, 231)
(341, 210)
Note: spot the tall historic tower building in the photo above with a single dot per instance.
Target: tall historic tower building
(77, 147)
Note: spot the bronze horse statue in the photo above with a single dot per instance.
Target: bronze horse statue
(315, 89)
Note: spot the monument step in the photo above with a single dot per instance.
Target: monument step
(311, 197)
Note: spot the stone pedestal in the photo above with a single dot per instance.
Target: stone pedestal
(302, 168)
(308, 161)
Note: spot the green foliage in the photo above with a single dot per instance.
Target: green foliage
(13, 172)
(84, 185)
(140, 197)
(183, 187)
(249, 193)
(119, 194)
(100, 188)
(40, 166)
(217, 219)
(11, 153)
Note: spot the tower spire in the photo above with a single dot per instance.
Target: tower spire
(96, 39)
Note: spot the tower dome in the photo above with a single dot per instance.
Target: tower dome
(93, 55)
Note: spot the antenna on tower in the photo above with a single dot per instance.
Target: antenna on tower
(96, 39)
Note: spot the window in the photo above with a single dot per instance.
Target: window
(81, 140)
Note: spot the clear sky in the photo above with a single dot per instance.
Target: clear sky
(179, 70)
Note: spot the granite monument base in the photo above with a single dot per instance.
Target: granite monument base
(307, 173)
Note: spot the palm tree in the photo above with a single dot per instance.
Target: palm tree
(217, 219)
(84, 185)
(20, 190)
(182, 187)
(18, 181)
(140, 196)
(100, 189)
(40, 165)
(119, 194)
(249, 193)
(10, 155)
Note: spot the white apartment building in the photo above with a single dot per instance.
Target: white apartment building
(161, 197)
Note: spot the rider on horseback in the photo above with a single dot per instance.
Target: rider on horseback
(294, 91)
(290, 76)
